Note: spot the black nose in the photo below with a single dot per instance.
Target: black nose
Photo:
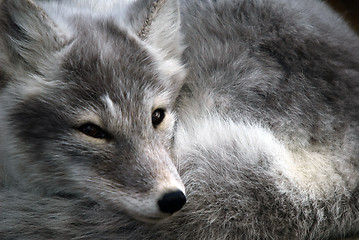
(172, 202)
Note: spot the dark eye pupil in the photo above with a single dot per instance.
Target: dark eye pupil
(157, 117)
(93, 131)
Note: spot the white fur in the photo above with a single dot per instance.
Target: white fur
(318, 175)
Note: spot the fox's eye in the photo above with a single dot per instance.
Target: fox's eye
(157, 117)
(93, 131)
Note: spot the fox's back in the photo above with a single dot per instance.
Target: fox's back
(270, 107)
(287, 64)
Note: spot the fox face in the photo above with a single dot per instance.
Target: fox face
(88, 107)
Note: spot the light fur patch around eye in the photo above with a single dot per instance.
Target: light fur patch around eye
(162, 102)
(167, 122)
(89, 117)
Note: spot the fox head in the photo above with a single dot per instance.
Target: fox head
(87, 95)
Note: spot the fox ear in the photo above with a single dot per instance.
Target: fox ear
(160, 26)
(28, 35)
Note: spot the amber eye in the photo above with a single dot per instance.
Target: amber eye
(157, 117)
(93, 131)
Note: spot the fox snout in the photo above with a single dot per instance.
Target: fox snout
(172, 201)
(152, 189)
(156, 209)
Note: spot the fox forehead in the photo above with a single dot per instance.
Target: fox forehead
(105, 76)
(107, 60)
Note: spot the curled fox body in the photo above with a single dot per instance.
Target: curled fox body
(209, 119)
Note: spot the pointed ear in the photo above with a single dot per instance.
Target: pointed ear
(28, 35)
(160, 26)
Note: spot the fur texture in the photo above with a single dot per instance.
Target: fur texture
(72, 80)
(263, 130)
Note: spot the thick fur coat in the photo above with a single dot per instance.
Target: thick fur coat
(259, 120)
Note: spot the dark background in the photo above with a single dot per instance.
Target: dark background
(349, 9)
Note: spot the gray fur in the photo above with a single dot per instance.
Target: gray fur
(266, 140)
(82, 82)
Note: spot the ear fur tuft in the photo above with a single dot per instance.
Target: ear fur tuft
(28, 34)
(160, 26)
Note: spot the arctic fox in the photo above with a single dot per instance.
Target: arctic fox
(113, 111)
(87, 107)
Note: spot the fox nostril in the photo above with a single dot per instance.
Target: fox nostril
(172, 201)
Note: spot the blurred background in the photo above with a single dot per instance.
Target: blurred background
(349, 9)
